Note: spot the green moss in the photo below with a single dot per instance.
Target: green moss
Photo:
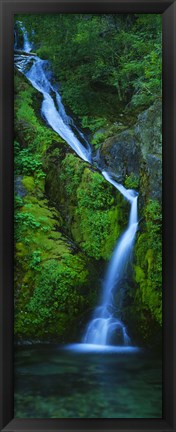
(49, 277)
(148, 268)
(99, 211)
(71, 172)
(29, 129)
(132, 181)
(92, 209)
(98, 139)
(57, 298)
(28, 183)
(139, 274)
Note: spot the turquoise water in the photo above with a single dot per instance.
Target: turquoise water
(51, 382)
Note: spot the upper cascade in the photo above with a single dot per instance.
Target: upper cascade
(52, 109)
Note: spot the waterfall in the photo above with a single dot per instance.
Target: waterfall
(105, 328)
(52, 108)
(26, 44)
(15, 40)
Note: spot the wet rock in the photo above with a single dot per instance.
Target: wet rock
(117, 337)
(154, 170)
(121, 154)
(138, 151)
(18, 186)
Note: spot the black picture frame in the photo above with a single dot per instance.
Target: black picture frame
(168, 10)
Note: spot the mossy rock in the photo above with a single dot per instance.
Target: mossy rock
(92, 209)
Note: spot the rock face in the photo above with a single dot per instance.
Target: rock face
(138, 151)
(121, 154)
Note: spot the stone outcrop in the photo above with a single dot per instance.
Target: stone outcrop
(138, 151)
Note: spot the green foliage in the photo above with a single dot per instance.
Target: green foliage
(98, 215)
(25, 162)
(98, 139)
(71, 171)
(148, 268)
(57, 295)
(32, 138)
(132, 181)
(35, 260)
(98, 194)
(93, 123)
(49, 276)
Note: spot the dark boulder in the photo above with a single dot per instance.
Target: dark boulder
(138, 151)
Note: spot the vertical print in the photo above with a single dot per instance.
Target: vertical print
(88, 216)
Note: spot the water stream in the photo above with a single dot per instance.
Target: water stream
(105, 325)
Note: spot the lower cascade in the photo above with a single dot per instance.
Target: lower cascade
(104, 329)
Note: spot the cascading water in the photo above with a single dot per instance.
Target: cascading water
(52, 108)
(15, 40)
(104, 327)
(27, 45)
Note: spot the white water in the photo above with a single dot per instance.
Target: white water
(26, 44)
(104, 329)
(52, 108)
(128, 194)
(108, 349)
(15, 40)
